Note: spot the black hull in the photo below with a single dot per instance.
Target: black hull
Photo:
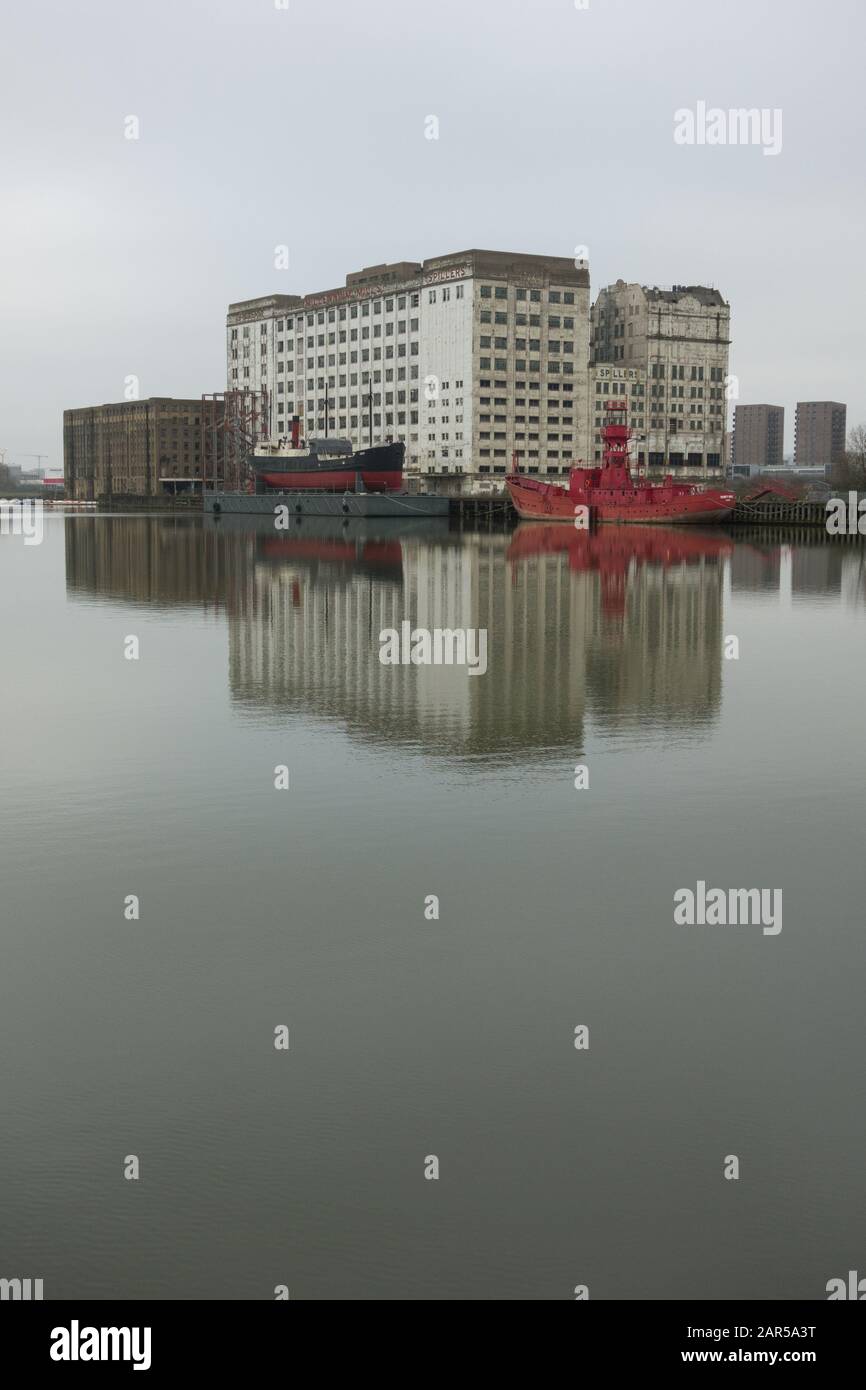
(380, 458)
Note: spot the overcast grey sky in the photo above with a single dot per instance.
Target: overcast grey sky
(305, 126)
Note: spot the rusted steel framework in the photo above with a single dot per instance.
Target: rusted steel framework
(233, 423)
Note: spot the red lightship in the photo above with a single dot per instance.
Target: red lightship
(610, 493)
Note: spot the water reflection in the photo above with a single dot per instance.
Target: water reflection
(653, 641)
(623, 625)
(756, 567)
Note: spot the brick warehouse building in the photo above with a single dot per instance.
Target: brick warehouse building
(134, 448)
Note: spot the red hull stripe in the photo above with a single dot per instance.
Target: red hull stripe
(321, 479)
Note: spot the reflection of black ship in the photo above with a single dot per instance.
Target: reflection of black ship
(330, 551)
(305, 607)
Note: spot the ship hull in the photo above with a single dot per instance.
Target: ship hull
(647, 506)
(379, 468)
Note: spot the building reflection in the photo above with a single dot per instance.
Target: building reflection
(653, 602)
(756, 567)
(620, 624)
(162, 561)
(816, 570)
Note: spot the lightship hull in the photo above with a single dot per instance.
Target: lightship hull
(659, 504)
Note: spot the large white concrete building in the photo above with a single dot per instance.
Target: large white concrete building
(465, 358)
(680, 340)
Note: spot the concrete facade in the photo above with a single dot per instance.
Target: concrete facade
(467, 357)
(819, 433)
(757, 442)
(610, 382)
(680, 338)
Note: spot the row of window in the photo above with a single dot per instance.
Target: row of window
(655, 459)
(521, 434)
(619, 388)
(522, 364)
(364, 309)
(521, 419)
(361, 402)
(520, 344)
(552, 386)
(336, 315)
(526, 320)
(352, 335)
(446, 293)
(678, 372)
(672, 423)
(534, 296)
(352, 378)
(287, 367)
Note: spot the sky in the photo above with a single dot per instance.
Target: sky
(305, 123)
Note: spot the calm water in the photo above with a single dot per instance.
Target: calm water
(305, 907)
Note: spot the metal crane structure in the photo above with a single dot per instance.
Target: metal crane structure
(37, 457)
(232, 424)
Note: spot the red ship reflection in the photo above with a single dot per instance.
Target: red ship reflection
(366, 556)
(612, 551)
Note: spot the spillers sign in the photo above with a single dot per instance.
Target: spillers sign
(617, 373)
(453, 272)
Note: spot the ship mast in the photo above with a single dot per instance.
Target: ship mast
(615, 435)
